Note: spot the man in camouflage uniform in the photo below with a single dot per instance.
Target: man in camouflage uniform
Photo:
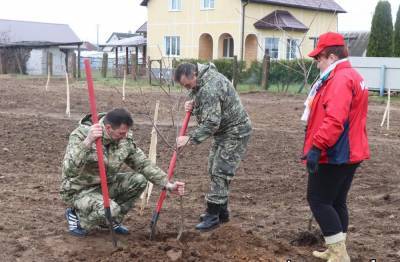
(80, 188)
(220, 114)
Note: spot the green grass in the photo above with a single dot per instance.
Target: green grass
(292, 89)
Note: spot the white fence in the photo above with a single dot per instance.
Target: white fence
(380, 73)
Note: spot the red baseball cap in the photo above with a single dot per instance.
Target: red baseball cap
(325, 40)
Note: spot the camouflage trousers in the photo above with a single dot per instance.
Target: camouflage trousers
(124, 189)
(223, 161)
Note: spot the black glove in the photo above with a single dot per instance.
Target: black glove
(312, 160)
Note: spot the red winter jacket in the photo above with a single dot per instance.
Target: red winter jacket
(338, 118)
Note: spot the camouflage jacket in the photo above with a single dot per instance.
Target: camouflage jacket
(217, 107)
(80, 167)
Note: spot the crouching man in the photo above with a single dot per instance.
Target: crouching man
(80, 188)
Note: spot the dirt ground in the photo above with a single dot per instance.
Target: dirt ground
(268, 205)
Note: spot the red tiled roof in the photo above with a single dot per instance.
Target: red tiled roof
(280, 19)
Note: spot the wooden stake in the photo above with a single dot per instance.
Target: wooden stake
(67, 110)
(386, 114)
(48, 78)
(153, 158)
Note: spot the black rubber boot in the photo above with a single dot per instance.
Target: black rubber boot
(211, 218)
(223, 214)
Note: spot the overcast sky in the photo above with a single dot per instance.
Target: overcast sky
(127, 15)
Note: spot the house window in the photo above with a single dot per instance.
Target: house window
(207, 4)
(175, 5)
(291, 48)
(172, 45)
(228, 47)
(272, 47)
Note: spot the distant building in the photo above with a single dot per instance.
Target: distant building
(357, 42)
(25, 46)
(142, 30)
(211, 29)
(115, 37)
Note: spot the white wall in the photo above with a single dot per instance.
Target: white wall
(34, 64)
(371, 69)
(37, 63)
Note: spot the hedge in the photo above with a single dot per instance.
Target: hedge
(282, 73)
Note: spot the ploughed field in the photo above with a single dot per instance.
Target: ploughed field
(269, 212)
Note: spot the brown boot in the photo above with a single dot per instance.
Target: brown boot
(325, 254)
(338, 252)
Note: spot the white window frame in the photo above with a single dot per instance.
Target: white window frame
(174, 5)
(273, 54)
(292, 51)
(172, 46)
(207, 4)
(229, 41)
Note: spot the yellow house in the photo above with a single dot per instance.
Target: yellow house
(212, 29)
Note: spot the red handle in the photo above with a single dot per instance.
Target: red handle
(172, 163)
(99, 145)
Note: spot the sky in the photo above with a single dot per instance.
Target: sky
(85, 16)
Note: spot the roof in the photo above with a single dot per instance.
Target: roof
(280, 19)
(357, 42)
(142, 28)
(120, 35)
(25, 33)
(321, 5)
(137, 40)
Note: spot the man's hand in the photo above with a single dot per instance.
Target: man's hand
(312, 160)
(176, 187)
(182, 141)
(95, 131)
(189, 106)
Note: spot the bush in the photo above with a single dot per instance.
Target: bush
(380, 42)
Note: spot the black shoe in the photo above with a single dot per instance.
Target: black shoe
(223, 214)
(209, 222)
(211, 218)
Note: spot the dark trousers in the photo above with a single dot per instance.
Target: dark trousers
(327, 196)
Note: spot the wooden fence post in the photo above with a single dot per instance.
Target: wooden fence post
(134, 66)
(265, 71)
(104, 65)
(50, 63)
(149, 68)
(235, 73)
(73, 63)
(2, 71)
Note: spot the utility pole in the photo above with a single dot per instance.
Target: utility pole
(97, 30)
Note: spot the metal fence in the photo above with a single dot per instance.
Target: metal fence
(380, 73)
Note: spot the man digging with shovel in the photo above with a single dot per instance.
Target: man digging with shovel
(80, 188)
(220, 115)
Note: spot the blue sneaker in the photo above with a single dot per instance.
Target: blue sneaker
(74, 227)
(120, 229)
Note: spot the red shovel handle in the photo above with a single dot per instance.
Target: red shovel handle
(99, 145)
(171, 169)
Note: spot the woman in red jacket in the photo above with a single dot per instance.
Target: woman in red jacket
(336, 141)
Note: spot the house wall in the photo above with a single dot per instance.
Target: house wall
(318, 23)
(191, 22)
